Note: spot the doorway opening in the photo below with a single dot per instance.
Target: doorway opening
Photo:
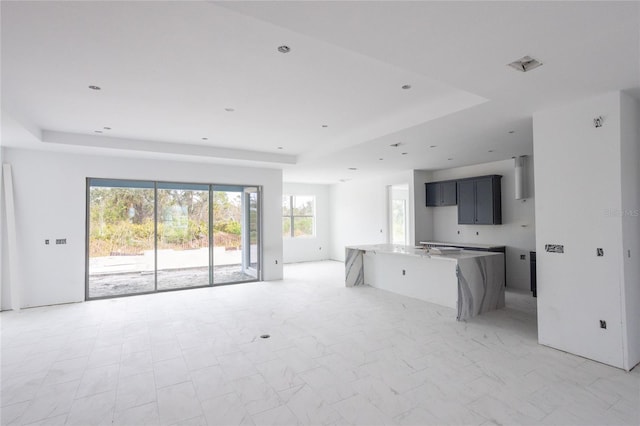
(398, 214)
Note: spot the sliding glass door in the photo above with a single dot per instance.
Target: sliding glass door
(120, 253)
(183, 235)
(145, 237)
(234, 222)
(251, 258)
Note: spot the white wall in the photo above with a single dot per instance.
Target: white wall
(3, 229)
(315, 248)
(359, 212)
(422, 223)
(517, 231)
(50, 197)
(630, 212)
(578, 183)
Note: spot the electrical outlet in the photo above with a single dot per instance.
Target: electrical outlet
(46, 242)
(404, 272)
(477, 233)
(603, 324)
(523, 257)
(599, 252)
(276, 262)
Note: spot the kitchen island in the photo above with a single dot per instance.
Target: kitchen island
(472, 282)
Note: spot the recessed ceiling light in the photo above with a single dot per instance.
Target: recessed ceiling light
(107, 128)
(511, 132)
(524, 64)
(404, 153)
(98, 131)
(229, 109)
(280, 147)
(490, 150)
(406, 87)
(395, 145)
(433, 146)
(449, 159)
(94, 87)
(284, 49)
(325, 125)
(381, 159)
(205, 139)
(353, 168)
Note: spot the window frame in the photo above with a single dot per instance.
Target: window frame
(291, 216)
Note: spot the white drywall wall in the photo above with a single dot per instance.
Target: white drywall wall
(578, 181)
(421, 227)
(50, 196)
(359, 212)
(306, 249)
(630, 214)
(517, 231)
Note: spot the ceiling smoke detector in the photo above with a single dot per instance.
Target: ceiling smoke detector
(284, 49)
(524, 64)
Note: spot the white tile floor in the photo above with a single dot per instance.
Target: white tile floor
(336, 356)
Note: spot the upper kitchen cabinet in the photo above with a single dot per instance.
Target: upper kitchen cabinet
(479, 201)
(441, 193)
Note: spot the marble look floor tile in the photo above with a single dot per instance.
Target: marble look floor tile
(358, 411)
(98, 380)
(276, 417)
(334, 353)
(105, 355)
(20, 388)
(136, 344)
(170, 372)
(135, 390)
(279, 374)
(256, 394)
(236, 365)
(178, 402)
(199, 357)
(11, 414)
(52, 421)
(93, 410)
(140, 415)
(502, 412)
(66, 371)
(166, 350)
(309, 407)
(51, 401)
(196, 421)
(416, 416)
(210, 382)
(226, 409)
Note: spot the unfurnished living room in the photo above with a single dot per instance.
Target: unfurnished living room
(320, 213)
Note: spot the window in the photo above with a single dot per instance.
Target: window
(298, 216)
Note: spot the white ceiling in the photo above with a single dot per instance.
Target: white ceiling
(168, 71)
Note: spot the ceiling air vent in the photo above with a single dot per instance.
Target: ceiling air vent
(525, 64)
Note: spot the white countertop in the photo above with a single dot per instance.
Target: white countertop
(421, 252)
(480, 246)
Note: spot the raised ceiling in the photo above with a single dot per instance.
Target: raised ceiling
(170, 71)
